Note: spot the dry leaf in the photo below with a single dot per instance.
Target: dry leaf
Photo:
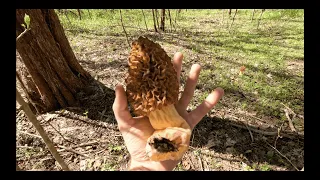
(242, 69)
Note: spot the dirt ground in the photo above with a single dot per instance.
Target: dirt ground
(88, 138)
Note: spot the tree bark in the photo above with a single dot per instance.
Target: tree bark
(162, 23)
(49, 59)
(154, 21)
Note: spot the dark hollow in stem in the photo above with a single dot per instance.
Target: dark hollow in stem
(163, 145)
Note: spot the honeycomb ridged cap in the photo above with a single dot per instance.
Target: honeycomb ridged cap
(152, 80)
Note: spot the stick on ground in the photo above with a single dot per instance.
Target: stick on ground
(41, 131)
(283, 156)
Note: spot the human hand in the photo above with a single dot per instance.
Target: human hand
(137, 130)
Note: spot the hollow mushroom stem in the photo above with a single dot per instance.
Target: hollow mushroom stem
(172, 136)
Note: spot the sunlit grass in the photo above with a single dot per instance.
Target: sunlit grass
(264, 51)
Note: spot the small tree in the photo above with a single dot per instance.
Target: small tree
(162, 22)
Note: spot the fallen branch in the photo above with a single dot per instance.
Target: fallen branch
(289, 120)
(249, 132)
(269, 133)
(283, 156)
(278, 136)
(41, 131)
(286, 110)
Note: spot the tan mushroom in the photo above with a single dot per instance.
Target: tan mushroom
(152, 90)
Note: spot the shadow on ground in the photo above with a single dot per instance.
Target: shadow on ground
(219, 135)
(223, 136)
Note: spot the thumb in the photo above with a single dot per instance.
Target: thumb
(120, 106)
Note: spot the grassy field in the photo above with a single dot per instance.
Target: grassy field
(273, 54)
(273, 81)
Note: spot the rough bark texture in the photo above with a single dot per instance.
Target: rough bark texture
(47, 55)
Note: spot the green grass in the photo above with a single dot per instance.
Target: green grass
(221, 51)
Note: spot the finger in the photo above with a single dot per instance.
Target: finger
(190, 86)
(120, 106)
(177, 63)
(198, 113)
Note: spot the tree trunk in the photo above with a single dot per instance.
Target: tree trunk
(162, 19)
(145, 22)
(154, 21)
(157, 18)
(79, 13)
(49, 59)
(170, 20)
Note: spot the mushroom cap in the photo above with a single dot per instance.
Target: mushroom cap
(152, 81)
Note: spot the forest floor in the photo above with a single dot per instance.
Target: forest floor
(248, 130)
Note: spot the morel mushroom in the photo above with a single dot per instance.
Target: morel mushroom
(152, 90)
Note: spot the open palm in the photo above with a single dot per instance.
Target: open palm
(137, 130)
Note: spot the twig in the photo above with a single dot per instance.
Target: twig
(124, 28)
(233, 18)
(288, 108)
(59, 132)
(34, 105)
(268, 133)
(283, 156)
(249, 132)
(278, 136)
(41, 131)
(71, 150)
(288, 117)
(30, 134)
(200, 162)
(27, 147)
(20, 35)
(289, 120)
(261, 120)
(85, 144)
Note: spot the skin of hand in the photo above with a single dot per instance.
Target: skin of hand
(136, 130)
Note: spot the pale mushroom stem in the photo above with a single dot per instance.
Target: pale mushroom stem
(172, 136)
